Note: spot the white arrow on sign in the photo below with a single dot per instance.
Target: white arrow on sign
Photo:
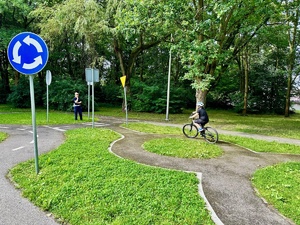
(28, 40)
(37, 61)
(16, 56)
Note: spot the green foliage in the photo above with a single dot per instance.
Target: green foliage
(267, 88)
(111, 93)
(153, 98)
(20, 96)
(279, 185)
(96, 187)
(61, 93)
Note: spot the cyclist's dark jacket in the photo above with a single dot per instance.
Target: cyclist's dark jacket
(203, 117)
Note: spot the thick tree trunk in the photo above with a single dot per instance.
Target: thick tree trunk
(200, 96)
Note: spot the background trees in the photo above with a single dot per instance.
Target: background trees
(240, 54)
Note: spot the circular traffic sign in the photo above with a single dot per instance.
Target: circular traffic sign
(27, 53)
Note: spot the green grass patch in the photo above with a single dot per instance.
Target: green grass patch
(81, 182)
(272, 125)
(153, 129)
(3, 136)
(25, 118)
(279, 185)
(183, 148)
(261, 145)
(275, 125)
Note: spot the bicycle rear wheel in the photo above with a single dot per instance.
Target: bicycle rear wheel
(210, 135)
(190, 130)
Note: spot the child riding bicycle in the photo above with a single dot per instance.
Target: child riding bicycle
(200, 117)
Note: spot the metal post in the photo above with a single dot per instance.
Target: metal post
(168, 91)
(126, 105)
(89, 100)
(93, 105)
(47, 104)
(34, 125)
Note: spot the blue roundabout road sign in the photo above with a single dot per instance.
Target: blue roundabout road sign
(27, 53)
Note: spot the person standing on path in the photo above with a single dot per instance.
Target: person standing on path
(77, 106)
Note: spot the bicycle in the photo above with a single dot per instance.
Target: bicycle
(208, 133)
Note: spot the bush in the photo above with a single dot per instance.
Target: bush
(153, 98)
(111, 93)
(61, 94)
(20, 95)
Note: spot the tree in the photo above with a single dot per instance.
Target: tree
(73, 30)
(292, 13)
(212, 33)
(13, 20)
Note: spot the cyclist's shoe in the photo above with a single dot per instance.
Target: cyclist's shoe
(200, 129)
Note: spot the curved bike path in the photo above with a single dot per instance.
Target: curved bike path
(225, 180)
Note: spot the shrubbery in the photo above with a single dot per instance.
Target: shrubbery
(153, 98)
(61, 93)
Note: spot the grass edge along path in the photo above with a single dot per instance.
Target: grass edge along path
(279, 186)
(261, 145)
(3, 136)
(81, 182)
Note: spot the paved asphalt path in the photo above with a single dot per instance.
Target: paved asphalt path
(18, 147)
(225, 180)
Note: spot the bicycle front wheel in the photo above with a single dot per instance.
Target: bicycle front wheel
(211, 135)
(190, 130)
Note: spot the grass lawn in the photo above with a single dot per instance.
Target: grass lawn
(81, 182)
(183, 148)
(262, 146)
(280, 186)
(275, 125)
(95, 187)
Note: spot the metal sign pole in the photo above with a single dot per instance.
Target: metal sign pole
(93, 105)
(126, 105)
(36, 154)
(29, 60)
(47, 104)
(168, 91)
(89, 100)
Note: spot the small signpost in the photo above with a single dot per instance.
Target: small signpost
(123, 81)
(48, 82)
(89, 101)
(28, 54)
(91, 76)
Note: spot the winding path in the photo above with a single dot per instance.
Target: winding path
(225, 180)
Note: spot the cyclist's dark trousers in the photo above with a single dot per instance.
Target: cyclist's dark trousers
(201, 122)
(78, 110)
